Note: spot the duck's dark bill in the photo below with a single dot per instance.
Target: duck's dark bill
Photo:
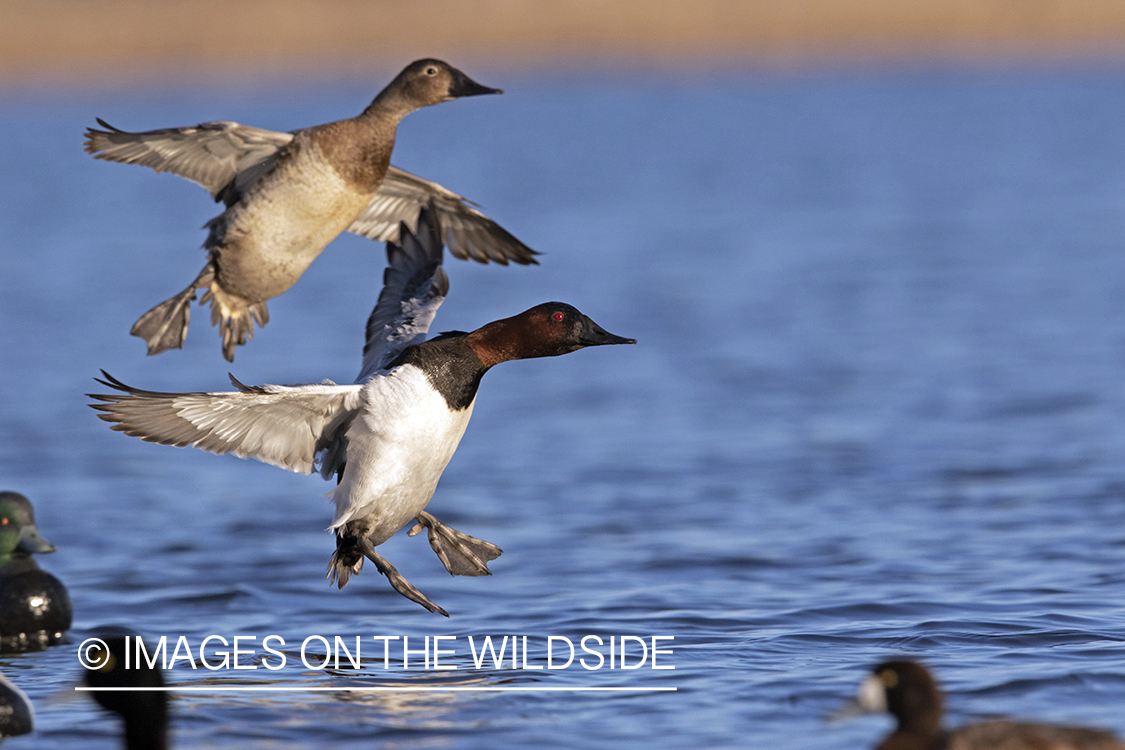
(594, 335)
(32, 542)
(464, 86)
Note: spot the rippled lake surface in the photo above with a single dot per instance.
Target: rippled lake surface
(877, 409)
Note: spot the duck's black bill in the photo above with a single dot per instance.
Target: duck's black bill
(464, 86)
(32, 542)
(594, 335)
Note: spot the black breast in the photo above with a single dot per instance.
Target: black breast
(451, 366)
(35, 610)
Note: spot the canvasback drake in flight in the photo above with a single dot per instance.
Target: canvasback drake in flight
(386, 439)
(289, 194)
(906, 690)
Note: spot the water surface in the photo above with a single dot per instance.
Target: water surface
(877, 409)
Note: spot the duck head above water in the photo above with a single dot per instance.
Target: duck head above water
(144, 711)
(426, 82)
(907, 691)
(547, 330)
(19, 536)
(35, 609)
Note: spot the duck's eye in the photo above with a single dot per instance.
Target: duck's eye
(3, 521)
(431, 71)
(558, 318)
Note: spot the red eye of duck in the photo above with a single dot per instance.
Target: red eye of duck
(558, 316)
(3, 521)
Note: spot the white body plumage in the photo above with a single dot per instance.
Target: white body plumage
(398, 445)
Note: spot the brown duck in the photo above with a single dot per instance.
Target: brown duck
(908, 692)
(289, 194)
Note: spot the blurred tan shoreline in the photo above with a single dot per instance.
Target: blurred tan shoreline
(83, 41)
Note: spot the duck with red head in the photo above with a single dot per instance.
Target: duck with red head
(547, 330)
(388, 438)
(906, 690)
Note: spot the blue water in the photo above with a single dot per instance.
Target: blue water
(877, 409)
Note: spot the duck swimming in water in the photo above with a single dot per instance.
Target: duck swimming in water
(289, 194)
(386, 439)
(35, 610)
(143, 711)
(908, 692)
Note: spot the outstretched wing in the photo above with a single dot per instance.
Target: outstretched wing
(224, 157)
(414, 285)
(228, 158)
(468, 233)
(285, 426)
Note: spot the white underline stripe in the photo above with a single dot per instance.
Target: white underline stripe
(405, 689)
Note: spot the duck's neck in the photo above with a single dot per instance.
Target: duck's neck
(504, 340)
(924, 722)
(390, 106)
(452, 368)
(18, 563)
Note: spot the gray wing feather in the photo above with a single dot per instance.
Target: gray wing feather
(414, 285)
(285, 426)
(468, 232)
(224, 157)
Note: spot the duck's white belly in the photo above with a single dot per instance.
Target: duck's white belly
(398, 447)
(276, 232)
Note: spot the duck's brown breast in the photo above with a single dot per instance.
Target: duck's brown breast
(270, 237)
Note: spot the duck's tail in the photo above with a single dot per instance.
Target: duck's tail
(346, 560)
(165, 326)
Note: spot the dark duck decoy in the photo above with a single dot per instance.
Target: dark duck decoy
(289, 194)
(906, 690)
(144, 712)
(35, 609)
(16, 714)
(386, 439)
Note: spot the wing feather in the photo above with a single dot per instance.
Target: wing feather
(224, 157)
(468, 232)
(284, 426)
(414, 285)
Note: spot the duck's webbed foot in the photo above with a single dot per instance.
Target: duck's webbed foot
(346, 560)
(400, 584)
(462, 555)
(235, 317)
(165, 326)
